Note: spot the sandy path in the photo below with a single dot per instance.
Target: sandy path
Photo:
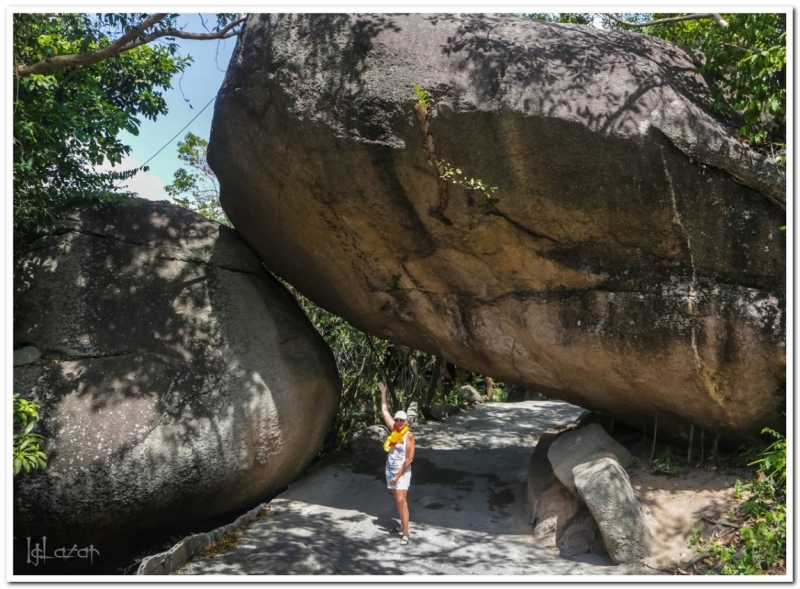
(466, 500)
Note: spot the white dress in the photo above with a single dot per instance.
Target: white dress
(394, 461)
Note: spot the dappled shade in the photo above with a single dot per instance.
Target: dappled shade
(178, 380)
(631, 264)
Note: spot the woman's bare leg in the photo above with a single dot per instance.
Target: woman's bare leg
(400, 498)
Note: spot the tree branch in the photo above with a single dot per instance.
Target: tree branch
(128, 41)
(221, 34)
(53, 64)
(720, 21)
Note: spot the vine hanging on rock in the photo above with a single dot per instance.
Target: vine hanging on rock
(446, 173)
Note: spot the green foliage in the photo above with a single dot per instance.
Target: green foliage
(447, 172)
(500, 391)
(450, 398)
(359, 357)
(773, 460)
(66, 123)
(580, 18)
(746, 64)
(196, 188)
(759, 546)
(27, 452)
(423, 97)
(666, 463)
(457, 177)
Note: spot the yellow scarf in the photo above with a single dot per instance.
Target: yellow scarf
(394, 438)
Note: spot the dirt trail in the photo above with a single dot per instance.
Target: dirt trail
(466, 501)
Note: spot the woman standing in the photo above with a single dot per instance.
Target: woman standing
(400, 446)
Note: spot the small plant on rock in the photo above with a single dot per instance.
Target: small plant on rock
(27, 444)
(447, 173)
(423, 97)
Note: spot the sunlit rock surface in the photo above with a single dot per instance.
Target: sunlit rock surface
(634, 262)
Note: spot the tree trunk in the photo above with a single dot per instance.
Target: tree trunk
(436, 375)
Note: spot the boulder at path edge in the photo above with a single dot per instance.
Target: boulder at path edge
(178, 380)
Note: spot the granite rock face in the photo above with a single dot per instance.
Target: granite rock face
(580, 446)
(633, 262)
(178, 379)
(606, 490)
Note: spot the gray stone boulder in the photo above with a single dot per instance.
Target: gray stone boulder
(440, 412)
(588, 463)
(540, 474)
(470, 395)
(559, 518)
(555, 510)
(580, 446)
(179, 380)
(369, 439)
(606, 490)
(631, 264)
(26, 355)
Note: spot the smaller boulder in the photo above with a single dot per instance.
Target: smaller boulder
(26, 355)
(368, 439)
(606, 490)
(581, 536)
(555, 509)
(470, 395)
(583, 445)
(540, 475)
(440, 412)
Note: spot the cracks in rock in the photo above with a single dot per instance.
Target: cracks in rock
(145, 245)
(430, 292)
(522, 228)
(226, 268)
(57, 355)
(676, 216)
(772, 188)
(703, 373)
(429, 149)
(522, 295)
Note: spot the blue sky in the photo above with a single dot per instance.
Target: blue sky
(190, 93)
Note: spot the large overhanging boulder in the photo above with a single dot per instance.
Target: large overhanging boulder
(634, 261)
(178, 379)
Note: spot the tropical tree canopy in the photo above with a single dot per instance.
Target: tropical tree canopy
(79, 80)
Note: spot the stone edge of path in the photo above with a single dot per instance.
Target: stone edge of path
(165, 563)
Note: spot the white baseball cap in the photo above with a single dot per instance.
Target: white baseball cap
(401, 415)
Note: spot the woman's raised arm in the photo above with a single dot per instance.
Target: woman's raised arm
(387, 417)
